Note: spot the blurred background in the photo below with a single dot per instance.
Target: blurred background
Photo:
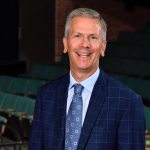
(31, 53)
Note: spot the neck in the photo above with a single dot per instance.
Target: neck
(81, 75)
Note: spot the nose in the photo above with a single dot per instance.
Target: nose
(86, 42)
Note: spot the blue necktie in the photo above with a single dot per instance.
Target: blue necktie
(74, 119)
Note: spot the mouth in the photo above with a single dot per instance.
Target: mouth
(83, 55)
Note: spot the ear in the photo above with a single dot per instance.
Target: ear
(65, 45)
(103, 48)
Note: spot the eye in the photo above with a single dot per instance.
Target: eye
(94, 37)
(77, 35)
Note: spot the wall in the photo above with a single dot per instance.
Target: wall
(36, 37)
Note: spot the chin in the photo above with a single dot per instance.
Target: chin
(85, 68)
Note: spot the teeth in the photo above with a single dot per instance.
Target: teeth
(83, 54)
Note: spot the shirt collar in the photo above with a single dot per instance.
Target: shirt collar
(87, 83)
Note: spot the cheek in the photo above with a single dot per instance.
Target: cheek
(70, 44)
(96, 45)
(73, 46)
(98, 53)
(97, 49)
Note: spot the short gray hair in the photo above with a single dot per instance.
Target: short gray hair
(85, 12)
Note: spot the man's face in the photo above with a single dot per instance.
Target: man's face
(84, 44)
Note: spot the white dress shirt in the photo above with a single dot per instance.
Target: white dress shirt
(88, 85)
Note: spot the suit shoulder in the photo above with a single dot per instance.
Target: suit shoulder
(53, 84)
(123, 89)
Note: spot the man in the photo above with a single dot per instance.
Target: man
(108, 115)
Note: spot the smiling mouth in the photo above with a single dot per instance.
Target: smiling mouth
(84, 55)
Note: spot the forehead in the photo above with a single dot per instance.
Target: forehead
(85, 24)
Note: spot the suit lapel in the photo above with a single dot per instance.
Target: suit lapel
(97, 99)
(61, 96)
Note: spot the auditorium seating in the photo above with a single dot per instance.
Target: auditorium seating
(17, 113)
(134, 38)
(17, 98)
(20, 85)
(147, 116)
(147, 135)
(125, 66)
(21, 106)
(47, 72)
(131, 51)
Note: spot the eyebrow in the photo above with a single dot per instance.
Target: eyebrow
(92, 34)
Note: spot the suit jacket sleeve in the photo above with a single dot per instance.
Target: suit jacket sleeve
(131, 132)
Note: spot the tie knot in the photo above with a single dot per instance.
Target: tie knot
(78, 89)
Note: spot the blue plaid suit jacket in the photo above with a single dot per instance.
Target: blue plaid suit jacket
(114, 119)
